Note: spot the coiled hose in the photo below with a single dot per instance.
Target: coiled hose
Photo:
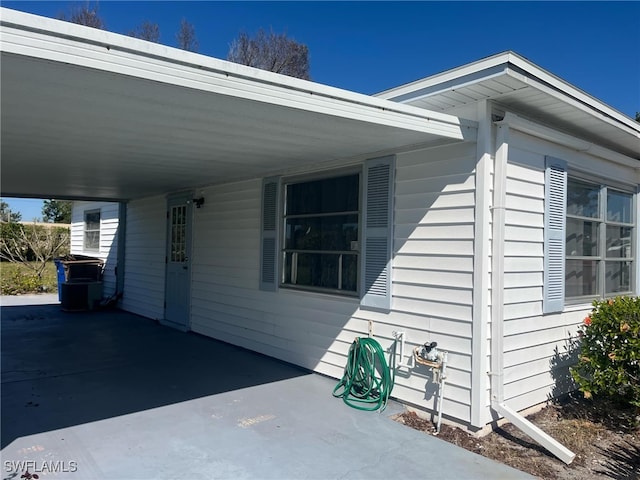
(367, 381)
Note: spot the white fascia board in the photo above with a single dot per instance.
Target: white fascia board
(59, 41)
(447, 76)
(517, 67)
(568, 92)
(523, 125)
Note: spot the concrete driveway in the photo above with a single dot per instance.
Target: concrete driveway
(110, 395)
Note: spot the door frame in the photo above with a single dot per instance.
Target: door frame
(187, 197)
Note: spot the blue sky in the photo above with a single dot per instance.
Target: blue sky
(368, 47)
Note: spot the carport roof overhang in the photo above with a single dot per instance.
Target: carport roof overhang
(96, 115)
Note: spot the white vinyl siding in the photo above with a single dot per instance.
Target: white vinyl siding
(108, 247)
(433, 268)
(144, 273)
(536, 360)
(432, 284)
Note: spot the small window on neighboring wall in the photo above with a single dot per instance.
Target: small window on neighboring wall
(92, 230)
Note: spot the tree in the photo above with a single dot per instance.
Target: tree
(147, 31)
(186, 37)
(84, 15)
(56, 211)
(6, 215)
(32, 245)
(637, 116)
(271, 51)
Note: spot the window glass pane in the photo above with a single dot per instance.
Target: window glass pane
(92, 240)
(618, 242)
(178, 234)
(328, 195)
(582, 199)
(619, 207)
(617, 277)
(321, 270)
(581, 278)
(92, 230)
(350, 273)
(582, 238)
(92, 221)
(335, 232)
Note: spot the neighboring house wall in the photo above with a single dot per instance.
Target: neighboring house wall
(108, 242)
(144, 276)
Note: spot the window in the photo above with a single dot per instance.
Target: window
(330, 234)
(92, 230)
(178, 233)
(321, 246)
(599, 231)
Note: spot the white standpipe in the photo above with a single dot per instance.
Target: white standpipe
(438, 366)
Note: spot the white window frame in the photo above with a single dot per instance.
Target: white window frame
(375, 235)
(333, 174)
(88, 230)
(602, 222)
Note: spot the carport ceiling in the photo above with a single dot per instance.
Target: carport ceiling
(90, 114)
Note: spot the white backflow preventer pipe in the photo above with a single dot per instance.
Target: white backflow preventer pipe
(437, 364)
(497, 304)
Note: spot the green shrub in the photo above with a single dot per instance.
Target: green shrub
(609, 352)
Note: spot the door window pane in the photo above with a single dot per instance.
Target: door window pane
(178, 234)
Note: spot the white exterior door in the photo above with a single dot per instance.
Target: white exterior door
(178, 272)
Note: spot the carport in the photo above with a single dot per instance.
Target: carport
(110, 395)
(88, 114)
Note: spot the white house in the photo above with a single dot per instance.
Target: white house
(483, 208)
(94, 233)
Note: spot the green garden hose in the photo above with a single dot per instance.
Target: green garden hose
(367, 381)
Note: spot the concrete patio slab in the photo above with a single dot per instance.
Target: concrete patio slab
(110, 395)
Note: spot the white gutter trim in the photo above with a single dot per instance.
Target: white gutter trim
(60, 41)
(497, 305)
(523, 125)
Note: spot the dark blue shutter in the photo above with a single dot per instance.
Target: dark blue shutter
(378, 228)
(269, 234)
(554, 234)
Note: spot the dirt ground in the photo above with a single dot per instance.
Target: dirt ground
(605, 438)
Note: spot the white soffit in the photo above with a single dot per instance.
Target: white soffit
(516, 84)
(93, 114)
